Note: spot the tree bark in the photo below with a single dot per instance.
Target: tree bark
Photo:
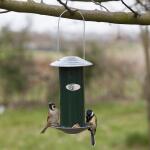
(101, 1)
(146, 46)
(89, 15)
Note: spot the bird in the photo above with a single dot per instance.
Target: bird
(91, 121)
(76, 126)
(53, 117)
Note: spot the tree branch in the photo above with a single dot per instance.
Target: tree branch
(89, 15)
(67, 7)
(100, 1)
(134, 12)
(143, 5)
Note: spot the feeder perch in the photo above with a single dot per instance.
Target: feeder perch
(71, 79)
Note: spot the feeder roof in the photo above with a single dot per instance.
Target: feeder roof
(71, 61)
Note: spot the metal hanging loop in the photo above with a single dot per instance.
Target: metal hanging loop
(58, 31)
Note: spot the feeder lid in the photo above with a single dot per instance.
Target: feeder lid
(71, 61)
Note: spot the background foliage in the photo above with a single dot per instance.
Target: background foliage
(113, 90)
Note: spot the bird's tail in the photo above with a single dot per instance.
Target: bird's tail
(92, 138)
(44, 129)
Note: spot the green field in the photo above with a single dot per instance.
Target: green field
(121, 126)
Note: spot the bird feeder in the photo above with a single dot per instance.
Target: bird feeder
(71, 77)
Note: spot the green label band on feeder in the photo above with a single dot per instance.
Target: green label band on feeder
(73, 87)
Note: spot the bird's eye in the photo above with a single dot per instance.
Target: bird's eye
(54, 106)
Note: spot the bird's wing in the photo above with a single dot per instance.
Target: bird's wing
(48, 117)
(93, 124)
(96, 120)
(93, 121)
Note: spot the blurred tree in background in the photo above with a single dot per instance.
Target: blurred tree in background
(96, 54)
(15, 63)
(117, 75)
(26, 77)
(113, 76)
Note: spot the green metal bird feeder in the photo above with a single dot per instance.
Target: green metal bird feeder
(71, 77)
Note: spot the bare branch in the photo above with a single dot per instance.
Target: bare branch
(143, 5)
(66, 7)
(134, 12)
(89, 15)
(99, 3)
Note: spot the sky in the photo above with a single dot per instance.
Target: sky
(42, 23)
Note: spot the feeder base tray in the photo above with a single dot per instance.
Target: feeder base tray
(70, 130)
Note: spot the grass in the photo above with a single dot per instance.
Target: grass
(118, 125)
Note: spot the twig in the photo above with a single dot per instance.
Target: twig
(66, 2)
(134, 5)
(99, 3)
(143, 5)
(134, 12)
(66, 7)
